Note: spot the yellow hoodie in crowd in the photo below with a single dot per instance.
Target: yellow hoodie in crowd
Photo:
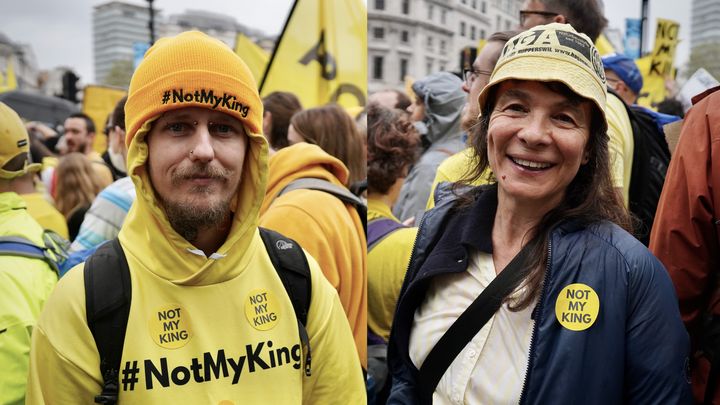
(217, 330)
(328, 229)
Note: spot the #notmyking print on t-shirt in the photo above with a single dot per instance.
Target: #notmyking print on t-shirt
(191, 345)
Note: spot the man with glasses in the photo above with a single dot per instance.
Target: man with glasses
(586, 16)
(475, 79)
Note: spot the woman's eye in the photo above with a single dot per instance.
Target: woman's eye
(516, 107)
(565, 118)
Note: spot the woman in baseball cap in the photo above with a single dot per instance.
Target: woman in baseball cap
(530, 289)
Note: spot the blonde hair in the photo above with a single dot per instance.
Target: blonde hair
(77, 183)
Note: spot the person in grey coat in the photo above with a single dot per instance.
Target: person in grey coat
(437, 110)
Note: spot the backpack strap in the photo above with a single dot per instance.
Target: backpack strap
(340, 192)
(19, 246)
(290, 262)
(379, 229)
(107, 304)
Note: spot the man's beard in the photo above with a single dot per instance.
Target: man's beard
(187, 218)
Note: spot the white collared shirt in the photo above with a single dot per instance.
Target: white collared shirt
(491, 368)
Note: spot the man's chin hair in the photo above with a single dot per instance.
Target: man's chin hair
(188, 219)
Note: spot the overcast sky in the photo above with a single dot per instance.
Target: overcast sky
(60, 31)
(677, 10)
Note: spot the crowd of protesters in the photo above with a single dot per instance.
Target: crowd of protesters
(473, 241)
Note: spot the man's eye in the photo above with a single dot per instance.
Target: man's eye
(222, 129)
(177, 127)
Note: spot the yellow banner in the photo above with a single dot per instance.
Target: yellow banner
(8, 81)
(658, 66)
(321, 55)
(255, 57)
(98, 103)
(604, 46)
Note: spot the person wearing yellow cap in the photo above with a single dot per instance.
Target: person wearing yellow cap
(25, 282)
(207, 312)
(528, 290)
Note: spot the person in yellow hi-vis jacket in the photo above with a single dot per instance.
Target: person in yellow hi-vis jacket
(210, 321)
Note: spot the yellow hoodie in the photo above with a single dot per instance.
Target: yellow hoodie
(328, 229)
(193, 333)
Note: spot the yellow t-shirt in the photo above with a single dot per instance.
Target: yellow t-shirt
(620, 145)
(387, 264)
(455, 168)
(45, 214)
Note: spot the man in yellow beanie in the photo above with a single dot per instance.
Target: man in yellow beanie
(25, 282)
(210, 321)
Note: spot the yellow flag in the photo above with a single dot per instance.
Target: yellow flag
(321, 55)
(481, 44)
(9, 82)
(658, 66)
(604, 46)
(409, 80)
(98, 102)
(255, 57)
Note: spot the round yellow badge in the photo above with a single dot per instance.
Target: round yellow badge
(261, 309)
(169, 326)
(577, 307)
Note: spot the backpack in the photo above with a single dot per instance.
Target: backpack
(341, 193)
(54, 251)
(651, 158)
(108, 295)
(379, 229)
(378, 382)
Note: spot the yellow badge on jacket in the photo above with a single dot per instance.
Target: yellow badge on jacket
(169, 326)
(577, 307)
(261, 309)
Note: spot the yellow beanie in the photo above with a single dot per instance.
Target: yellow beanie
(192, 70)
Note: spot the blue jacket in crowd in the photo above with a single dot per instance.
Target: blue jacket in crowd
(636, 351)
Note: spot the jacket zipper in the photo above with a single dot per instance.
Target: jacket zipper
(539, 309)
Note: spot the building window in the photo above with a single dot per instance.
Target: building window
(378, 67)
(508, 25)
(482, 34)
(428, 67)
(405, 36)
(464, 1)
(462, 28)
(442, 16)
(482, 7)
(406, 7)
(442, 67)
(472, 32)
(474, 4)
(442, 47)
(430, 12)
(498, 22)
(378, 32)
(379, 4)
(403, 69)
(429, 42)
